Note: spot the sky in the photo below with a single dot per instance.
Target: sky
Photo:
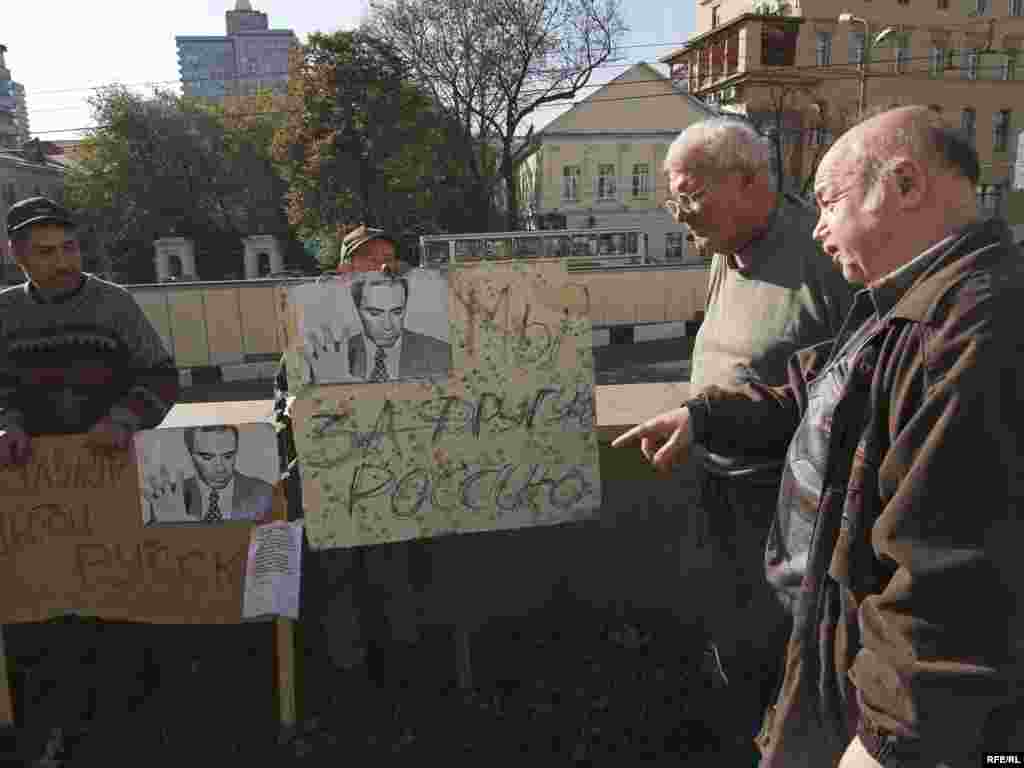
(87, 44)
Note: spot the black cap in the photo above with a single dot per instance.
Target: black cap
(37, 210)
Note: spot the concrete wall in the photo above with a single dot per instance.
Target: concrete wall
(236, 323)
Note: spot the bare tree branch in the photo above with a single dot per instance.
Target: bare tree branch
(495, 63)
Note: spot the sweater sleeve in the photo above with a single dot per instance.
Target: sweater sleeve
(11, 415)
(153, 377)
(753, 418)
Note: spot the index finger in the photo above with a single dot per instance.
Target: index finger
(628, 437)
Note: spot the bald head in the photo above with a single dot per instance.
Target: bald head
(916, 133)
(890, 188)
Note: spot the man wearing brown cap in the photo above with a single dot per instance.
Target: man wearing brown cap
(366, 249)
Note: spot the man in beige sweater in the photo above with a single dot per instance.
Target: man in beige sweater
(771, 292)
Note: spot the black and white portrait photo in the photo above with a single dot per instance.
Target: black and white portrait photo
(207, 474)
(374, 327)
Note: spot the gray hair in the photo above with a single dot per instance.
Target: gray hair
(723, 144)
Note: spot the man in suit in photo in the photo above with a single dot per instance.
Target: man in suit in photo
(386, 350)
(218, 491)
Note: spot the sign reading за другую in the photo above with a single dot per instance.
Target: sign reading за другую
(72, 540)
(506, 440)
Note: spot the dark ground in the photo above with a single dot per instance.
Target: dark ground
(568, 685)
(565, 686)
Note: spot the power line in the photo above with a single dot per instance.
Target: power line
(250, 76)
(844, 68)
(242, 76)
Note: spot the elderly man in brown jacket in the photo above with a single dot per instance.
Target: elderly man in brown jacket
(899, 516)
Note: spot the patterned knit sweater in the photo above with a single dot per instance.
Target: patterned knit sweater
(67, 364)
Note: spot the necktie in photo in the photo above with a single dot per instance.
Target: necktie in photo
(380, 371)
(213, 513)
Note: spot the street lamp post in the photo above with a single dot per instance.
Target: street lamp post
(846, 18)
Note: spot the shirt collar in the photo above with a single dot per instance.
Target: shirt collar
(887, 291)
(760, 244)
(61, 298)
(390, 353)
(227, 492)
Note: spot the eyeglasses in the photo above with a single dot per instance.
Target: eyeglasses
(683, 204)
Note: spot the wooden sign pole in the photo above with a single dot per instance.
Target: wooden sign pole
(284, 644)
(6, 694)
(284, 641)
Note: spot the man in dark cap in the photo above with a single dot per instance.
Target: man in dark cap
(77, 354)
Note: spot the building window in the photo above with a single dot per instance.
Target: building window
(641, 180)
(1000, 130)
(714, 16)
(937, 60)
(967, 122)
(570, 182)
(969, 65)
(981, 7)
(823, 49)
(732, 54)
(674, 246)
(990, 197)
(903, 2)
(1010, 65)
(942, 5)
(902, 52)
(856, 53)
(1017, 7)
(778, 43)
(820, 136)
(606, 182)
(717, 59)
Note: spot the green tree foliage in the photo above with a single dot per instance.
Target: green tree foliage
(362, 144)
(164, 165)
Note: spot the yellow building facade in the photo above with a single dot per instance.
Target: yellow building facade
(600, 163)
(797, 69)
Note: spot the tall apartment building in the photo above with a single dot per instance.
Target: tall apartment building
(13, 110)
(800, 71)
(250, 57)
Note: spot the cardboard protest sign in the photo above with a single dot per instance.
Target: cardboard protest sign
(72, 540)
(506, 441)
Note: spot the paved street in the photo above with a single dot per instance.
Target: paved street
(646, 362)
(643, 363)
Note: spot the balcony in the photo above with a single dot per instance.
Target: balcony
(711, 62)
